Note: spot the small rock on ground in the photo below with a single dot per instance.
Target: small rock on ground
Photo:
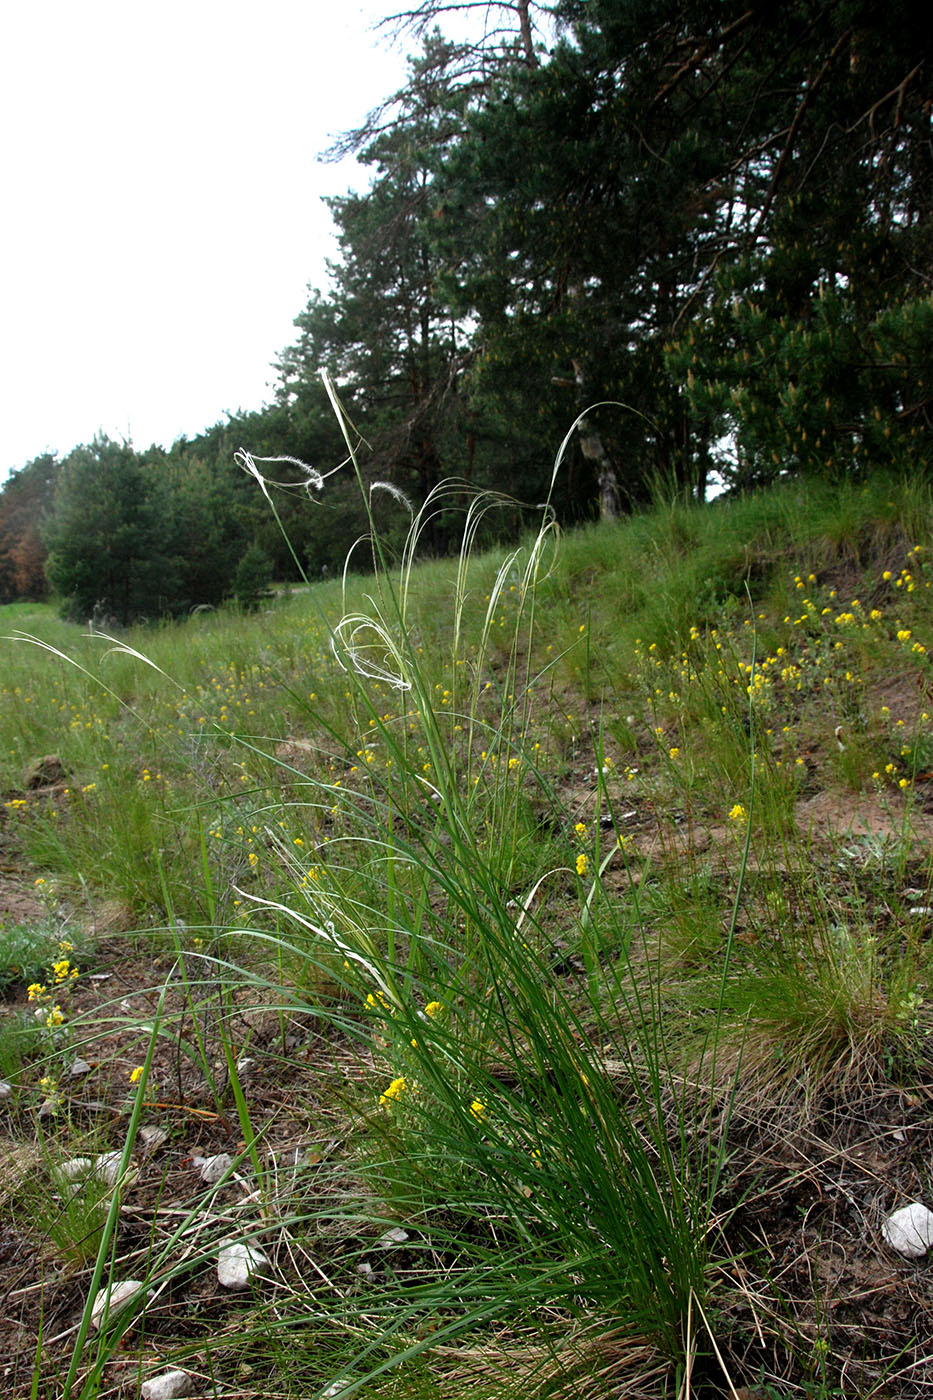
(236, 1264)
(151, 1136)
(107, 1167)
(213, 1168)
(109, 1301)
(909, 1230)
(168, 1386)
(74, 1170)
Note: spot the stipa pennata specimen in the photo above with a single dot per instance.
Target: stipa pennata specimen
(311, 478)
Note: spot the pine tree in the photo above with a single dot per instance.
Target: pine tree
(110, 556)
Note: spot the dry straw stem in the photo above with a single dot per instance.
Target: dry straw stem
(582, 1363)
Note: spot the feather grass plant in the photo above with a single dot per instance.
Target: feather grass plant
(516, 1135)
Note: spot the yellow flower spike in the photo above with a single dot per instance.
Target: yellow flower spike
(433, 1008)
(136, 1074)
(738, 813)
(582, 863)
(478, 1110)
(393, 1092)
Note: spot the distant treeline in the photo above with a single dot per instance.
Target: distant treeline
(704, 223)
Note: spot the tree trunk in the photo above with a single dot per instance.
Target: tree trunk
(524, 21)
(591, 445)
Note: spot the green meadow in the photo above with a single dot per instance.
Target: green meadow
(544, 935)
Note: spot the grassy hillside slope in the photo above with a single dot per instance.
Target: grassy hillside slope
(544, 935)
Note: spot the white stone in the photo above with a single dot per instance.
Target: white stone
(245, 1066)
(109, 1301)
(910, 1230)
(213, 1168)
(79, 1067)
(169, 1386)
(6, 1088)
(74, 1170)
(152, 1137)
(236, 1264)
(107, 1167)
(393, 1236)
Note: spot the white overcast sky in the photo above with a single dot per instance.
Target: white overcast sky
(162, 213)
